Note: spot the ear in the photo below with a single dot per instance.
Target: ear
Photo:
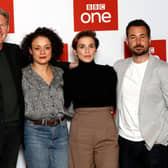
(126, 40)
(75, 52)
(8, 27)
(30, 51)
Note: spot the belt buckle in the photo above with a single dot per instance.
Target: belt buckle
(53, 121)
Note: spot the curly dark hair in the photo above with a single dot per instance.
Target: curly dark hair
(85, 33)
(56, 43)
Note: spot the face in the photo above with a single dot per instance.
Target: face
(4, 28)
(138, 40)
(41, 50)
(86, 49)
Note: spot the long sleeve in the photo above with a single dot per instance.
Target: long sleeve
(90, 85)
(67, 89)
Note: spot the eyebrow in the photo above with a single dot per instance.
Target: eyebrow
(142, 34)
(40, 45)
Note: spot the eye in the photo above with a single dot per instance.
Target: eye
(92, 45)
(37, 48)
(81, 46)
(132, 37)
(3, 25)
(48, 48)
(142, 36)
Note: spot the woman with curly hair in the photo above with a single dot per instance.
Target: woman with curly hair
(45, 131)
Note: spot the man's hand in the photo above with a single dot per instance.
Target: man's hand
(73, 65)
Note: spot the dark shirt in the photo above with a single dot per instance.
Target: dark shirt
(8, 91)
(90, 85)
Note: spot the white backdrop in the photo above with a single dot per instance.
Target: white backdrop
(58, 15)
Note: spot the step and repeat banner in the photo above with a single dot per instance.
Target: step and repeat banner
(108, 18)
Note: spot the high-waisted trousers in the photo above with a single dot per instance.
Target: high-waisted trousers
(93, 141)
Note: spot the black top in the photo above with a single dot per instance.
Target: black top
(90, 85)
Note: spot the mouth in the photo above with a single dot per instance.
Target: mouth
(43, 57)
(139, 48)
(87, 56)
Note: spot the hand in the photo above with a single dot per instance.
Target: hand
(73, 65)
(112, 111)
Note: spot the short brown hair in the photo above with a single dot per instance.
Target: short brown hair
(138, 22)
(85, 33)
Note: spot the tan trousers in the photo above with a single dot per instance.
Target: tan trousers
(93, 141)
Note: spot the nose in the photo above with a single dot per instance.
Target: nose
(87, 50)
(138, 40)
(42, 51)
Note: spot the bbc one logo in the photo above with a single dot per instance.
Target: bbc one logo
(95, 16)
(91, 17)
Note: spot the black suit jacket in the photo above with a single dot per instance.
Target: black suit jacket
(13, 54)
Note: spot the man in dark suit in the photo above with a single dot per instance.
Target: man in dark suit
(11, 98)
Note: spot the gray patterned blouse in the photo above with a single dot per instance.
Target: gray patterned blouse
(43, 101)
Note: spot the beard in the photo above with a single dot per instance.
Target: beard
(142, 50)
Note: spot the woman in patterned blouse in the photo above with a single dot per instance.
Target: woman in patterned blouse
(45, 132)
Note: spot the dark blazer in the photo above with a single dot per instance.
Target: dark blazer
(13, 54)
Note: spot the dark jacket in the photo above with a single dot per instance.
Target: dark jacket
(13, 54)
